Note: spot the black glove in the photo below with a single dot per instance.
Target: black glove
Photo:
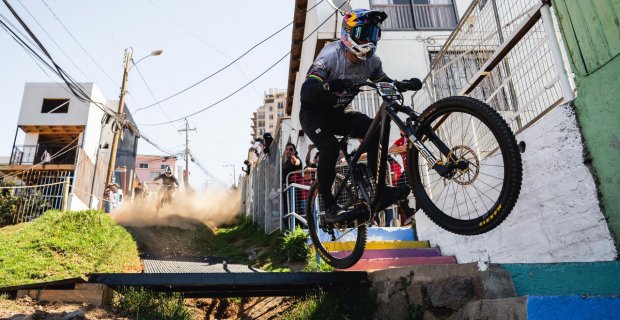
(412, 84)
(337, 85)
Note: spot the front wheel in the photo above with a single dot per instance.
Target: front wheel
(340, 246)
(484, 182)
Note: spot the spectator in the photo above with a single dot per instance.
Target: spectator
(139, 192)
(291, 161)
(108, 197)
(290, 164)
(400, 147)
(312, 163)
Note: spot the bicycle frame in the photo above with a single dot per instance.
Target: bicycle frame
(388, 112)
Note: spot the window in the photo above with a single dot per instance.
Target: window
(144, 166)
(281, 114)
(417, 14)
(163, 166)
(55, 106)
(280, 105)
(270, 108)
(271, 126)
(271, 117)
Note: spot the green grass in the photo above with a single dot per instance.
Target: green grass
(343, 303)
(61, 245)
(140, 303)
(238, 241)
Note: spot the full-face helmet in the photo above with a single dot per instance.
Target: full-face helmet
(361, 29)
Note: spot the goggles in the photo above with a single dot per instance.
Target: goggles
(366, 33)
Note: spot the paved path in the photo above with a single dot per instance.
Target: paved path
(207, 266)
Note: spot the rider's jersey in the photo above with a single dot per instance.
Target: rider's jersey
(331, 64)
(167, 181)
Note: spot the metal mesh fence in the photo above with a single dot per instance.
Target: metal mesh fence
(521, 87)
(26, 196)
(263, 189)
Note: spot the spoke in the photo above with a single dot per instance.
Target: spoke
(492, 187)
(480, 197)
(488, 175)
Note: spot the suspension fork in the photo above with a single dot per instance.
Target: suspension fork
(437, 165)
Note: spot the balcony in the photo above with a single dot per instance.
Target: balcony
(35, 154)
(418, 16)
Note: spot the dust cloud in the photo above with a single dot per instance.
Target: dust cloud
(213, 207)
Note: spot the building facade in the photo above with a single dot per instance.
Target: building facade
(148, 167)
(59, 136)
(266, 116)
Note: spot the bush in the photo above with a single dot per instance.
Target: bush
(295, 245)
(10, 200)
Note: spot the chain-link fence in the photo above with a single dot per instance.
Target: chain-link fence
(504, 44)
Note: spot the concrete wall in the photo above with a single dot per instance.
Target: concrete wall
(34, 93)
(92, 133)
(592, 34)
(557, 217)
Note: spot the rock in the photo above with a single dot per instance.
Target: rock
(450, 294)
(75, 315)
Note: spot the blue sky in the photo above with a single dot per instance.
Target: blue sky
(197, 37)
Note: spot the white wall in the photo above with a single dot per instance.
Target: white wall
(92, 134)
(75, 204)
(34, 93)
(557, 217)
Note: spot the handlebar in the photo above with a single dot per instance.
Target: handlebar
(388, 91)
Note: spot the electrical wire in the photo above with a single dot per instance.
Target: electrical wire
(242, 87)
(79, 44)
(54, 41)
(228, 65)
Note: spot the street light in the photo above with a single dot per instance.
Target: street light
(121, 105)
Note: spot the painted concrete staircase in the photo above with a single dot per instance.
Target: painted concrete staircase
(397, 247)
(582, 290)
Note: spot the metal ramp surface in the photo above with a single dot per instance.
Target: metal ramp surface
(254, 284)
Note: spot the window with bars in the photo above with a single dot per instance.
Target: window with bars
(417, 14)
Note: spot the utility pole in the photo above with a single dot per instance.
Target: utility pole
(234, 173)
(186, 175)
(117, 131)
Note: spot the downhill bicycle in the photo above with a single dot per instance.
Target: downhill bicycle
(464, 169)
(165, 195)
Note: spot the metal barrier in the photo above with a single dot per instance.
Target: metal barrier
(505, 53)
(298, 186)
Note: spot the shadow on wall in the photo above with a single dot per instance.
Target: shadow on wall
(214, 207)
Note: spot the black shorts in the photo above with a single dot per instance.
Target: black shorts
(321, 126)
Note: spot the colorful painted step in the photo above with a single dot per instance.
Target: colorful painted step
(401, 253)
(379, 264)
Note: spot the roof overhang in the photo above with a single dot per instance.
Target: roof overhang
(299, 24)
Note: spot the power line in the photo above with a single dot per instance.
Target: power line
(189, 31)
(54, 41)
(230, 64)
(242, 87)
(72, 85)
(78, 43)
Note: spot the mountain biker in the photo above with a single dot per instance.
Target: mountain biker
(169, 183)
(325, 109)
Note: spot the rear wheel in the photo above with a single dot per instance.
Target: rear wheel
(484, 184)
(339, 245)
